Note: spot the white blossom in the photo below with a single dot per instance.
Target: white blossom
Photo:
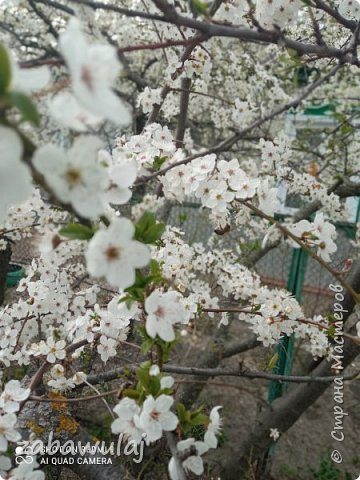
(163, 309)
(156, 416)
(12, 395)
(274, 434)
(94, 69)
(7, 431)
(113, 254)
(193, 462)
(15, 177)
(106, 348)
(76, 176)
(128, 422)
(213, 428)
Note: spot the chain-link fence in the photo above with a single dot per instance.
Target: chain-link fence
(274, 268)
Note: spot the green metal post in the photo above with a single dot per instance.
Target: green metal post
(357, 212)
(285, 348)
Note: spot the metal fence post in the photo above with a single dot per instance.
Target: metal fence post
(285, 348)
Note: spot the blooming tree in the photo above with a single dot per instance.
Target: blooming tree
(110, 112)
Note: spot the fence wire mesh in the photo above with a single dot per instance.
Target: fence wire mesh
(274, 268)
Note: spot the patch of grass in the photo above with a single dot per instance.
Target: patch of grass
(289, 472)
(328, 471)
(103, 431)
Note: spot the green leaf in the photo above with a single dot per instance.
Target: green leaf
(147, 219)
(182, 217)
(5, 70)
(155, 271)
(170, 391)
(199, 419)
(147, 230)
(26, 107)
(158, 162)
(154, 387)
(166, 347)
(77, 231)
(154, 233)
(137, 291)
(147, 345)
(129, 392)
(273, 361)
(143, 376)
(199, 6)
(181, 411)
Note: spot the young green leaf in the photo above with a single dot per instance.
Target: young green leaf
(158, 162)
(147, 230)
(77, 231)
(199, 6)
(25, 106)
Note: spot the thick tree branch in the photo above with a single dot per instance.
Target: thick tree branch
(217, 30)
(184, 105)
(230, 141)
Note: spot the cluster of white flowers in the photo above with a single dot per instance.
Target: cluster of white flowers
(199, 63)
(85, 176)
(75, 176)
(277, 313)
(50, 349)
(21, 219)
(53, 312)
(181, 264)
(155, 142)
(175, 256)
(148, 421)
(59, 383)
(148, 98)
(233, 12)
(244, 113)
(308, 185)
(218, 185)
(275, 155)
(277, 12)
(319, 233)
(46, 295)
(281, 315)
(110, 325)
(149, 203)
(11, 397)
(164, 310)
